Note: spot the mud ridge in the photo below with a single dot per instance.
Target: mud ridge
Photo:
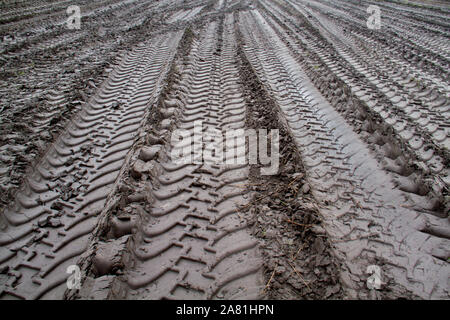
(349, 203)
(300, 263)
(394, 152)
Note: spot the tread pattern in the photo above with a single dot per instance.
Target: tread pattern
(48, 226)
(194, 242)
(363, 211)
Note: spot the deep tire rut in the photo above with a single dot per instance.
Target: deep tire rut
(195, 241)
(191, 238)
(91, 174)
(48, 226)
(363, 210)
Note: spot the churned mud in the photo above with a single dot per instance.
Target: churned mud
(297, 258)
(90, 171)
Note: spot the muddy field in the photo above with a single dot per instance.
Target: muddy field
(93, 204)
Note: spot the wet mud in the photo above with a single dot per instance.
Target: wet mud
(88, 176)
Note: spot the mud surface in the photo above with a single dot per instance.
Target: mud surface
(88, 176)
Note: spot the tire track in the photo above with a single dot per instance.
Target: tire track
(73, 71)
(407, 27)
(363, 210)
(367, 109)
(48, 226)
(394, 40)
(189, 240)
(430, 111)
(417, 164)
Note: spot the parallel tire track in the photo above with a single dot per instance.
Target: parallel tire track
(49, 224)
(368, 111)
(190, 240)
(362, 208)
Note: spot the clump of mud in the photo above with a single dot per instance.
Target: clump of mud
(298, 260)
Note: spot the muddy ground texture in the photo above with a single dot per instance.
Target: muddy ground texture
(86, 170)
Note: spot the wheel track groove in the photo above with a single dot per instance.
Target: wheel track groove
(431, 159)
(364, 218)
(191, 241)
(85, 158)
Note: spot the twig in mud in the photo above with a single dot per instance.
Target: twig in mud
(299, 224)
(270, 280)
(276, 191)
(298, 251)
(257, 200)
(245, 186)
(295, 270)
(284, 203)
(293, 180)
